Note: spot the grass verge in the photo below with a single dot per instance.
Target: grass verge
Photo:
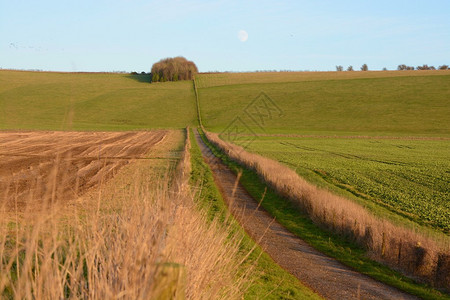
(271, 281)
(300, 224)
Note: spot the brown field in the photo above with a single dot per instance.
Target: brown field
(138, 235)
(58, 166)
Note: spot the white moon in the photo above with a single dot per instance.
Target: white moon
(242, 35)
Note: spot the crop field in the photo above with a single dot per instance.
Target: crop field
(60, 166)
(55, 101)
(380, 138)
(409, 177)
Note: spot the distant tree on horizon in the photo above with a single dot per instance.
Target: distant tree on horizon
(350, 68)
(404, 67)
(339, 68)
(443, 67)
(364, 67)
(173, 69)
(425, 67)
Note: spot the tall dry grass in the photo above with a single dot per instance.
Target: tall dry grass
(404, 249)
(127, 242)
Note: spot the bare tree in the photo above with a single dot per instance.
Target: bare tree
(364, 67)
(339, 68)
(350, 68)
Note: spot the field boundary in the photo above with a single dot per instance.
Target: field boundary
(268, 278)
(199, 116)
(368, 238)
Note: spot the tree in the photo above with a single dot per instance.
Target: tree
(443, 67)
(426, 67)
(404, 67)
(173, 69)
(350, 68)
(364, 67)
(339, 68)
(384, 69)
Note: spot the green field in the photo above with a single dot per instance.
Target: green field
(92, 101)
(406, 105)
(409, 177)
(323, 113)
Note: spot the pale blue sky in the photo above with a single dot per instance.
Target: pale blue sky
(130, 35)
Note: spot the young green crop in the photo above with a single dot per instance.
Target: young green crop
(409, 177)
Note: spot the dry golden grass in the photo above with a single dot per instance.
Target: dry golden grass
(124, 240)
(402, 248)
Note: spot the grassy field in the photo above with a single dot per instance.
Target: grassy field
(89, 101)
(320, 104)
(309, 114)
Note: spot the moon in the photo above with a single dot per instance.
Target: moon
(242, 35)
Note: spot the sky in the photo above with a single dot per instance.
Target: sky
(131, 35)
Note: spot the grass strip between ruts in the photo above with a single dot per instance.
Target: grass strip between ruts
(272, 281)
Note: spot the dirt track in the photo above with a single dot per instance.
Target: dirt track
(323, 274)
(39, 166)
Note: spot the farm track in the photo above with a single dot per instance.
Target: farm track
(323, 274)
(59, 166)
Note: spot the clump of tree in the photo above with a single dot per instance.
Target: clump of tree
(426, 67)
(350, 68)
(443, 67)
(173, 69)
(339, 68)
(364, 67)
(404, 67)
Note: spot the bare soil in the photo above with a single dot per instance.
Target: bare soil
(325, 275)
(41, 166)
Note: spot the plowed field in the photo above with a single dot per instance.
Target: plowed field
(39, 167)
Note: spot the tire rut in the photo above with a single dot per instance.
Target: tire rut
(325, 275)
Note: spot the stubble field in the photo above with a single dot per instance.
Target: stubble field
(42, 166)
